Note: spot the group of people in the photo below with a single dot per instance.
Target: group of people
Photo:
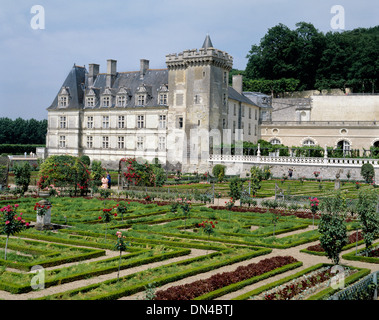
(106, 181)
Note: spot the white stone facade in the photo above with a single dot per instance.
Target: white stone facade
(176, 114)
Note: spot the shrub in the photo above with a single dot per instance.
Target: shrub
(141, 173)
(218, 171)
(97, 172)
(64, 171)
(22, 175)
(367, 172)
(333, 234)
(366, 209)
(235, 188)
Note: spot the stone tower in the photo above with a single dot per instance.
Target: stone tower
(198, 95)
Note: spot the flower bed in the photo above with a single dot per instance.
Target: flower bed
(371, 257)
(282, 212)
(299, 288)
(351, 239)
(197, 288)
(313, 283)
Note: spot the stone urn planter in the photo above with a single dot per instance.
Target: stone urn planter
(44, 220)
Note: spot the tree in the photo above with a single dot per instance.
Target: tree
(218, 172)
(11, 223)
(366, 210)
(368, 172)
(276, 55)
(235, 188)
(256, 178)
(97, 171)
(22, 175)
(332, 226)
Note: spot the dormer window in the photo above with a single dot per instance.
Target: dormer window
(63, 101)
(162, 95)
(64, 97)
(121, 101)
(90, 99)
(106, 102)
(106, 99)
(163, 99)
(141, 100)
(142, 95)
(122, 97)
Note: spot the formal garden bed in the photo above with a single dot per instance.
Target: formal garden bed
(314, 283)
(153, 235)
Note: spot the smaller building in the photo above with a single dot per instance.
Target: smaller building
(347, 122)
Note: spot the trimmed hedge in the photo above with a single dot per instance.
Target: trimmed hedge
(239, 285)
(15, 149)
(14, 288)
(129, 290)
(319, 296)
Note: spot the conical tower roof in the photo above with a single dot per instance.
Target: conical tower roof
(207, 42)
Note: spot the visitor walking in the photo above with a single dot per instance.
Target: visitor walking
(104, 182)
(109, 180)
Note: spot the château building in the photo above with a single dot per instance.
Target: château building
(176, 115)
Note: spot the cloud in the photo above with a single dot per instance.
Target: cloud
(36, 62)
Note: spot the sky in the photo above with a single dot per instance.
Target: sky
(40, 41)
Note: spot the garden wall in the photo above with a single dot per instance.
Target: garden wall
(328, 168)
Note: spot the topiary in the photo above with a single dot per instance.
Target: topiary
(368, 172)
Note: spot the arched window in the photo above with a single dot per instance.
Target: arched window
(275, 141)
(344, 145)
(308, 143)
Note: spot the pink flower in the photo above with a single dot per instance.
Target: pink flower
(7, 222)
(16, 205)
(19, 218)
(27, 224)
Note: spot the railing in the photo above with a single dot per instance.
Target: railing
(349, 162)
(354, 291)
(322, 123)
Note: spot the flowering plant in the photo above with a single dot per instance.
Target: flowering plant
(121, 208)
(357, 185)
(121, 246)
(316, 173)
(11, 223)
(107, 216)
(314, 204)
(230, 204)
(208, 227)
(41, 209)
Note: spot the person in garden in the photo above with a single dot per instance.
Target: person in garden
(104, 182)
(109, 180)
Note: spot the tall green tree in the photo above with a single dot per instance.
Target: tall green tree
(332, 226)
(369, 218)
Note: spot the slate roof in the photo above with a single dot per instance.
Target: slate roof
(75, 81)
(233, 94)
(207, 42)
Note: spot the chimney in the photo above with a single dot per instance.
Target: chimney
(144, 66)
(93, 71)
(237, 83)
(111, 72)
